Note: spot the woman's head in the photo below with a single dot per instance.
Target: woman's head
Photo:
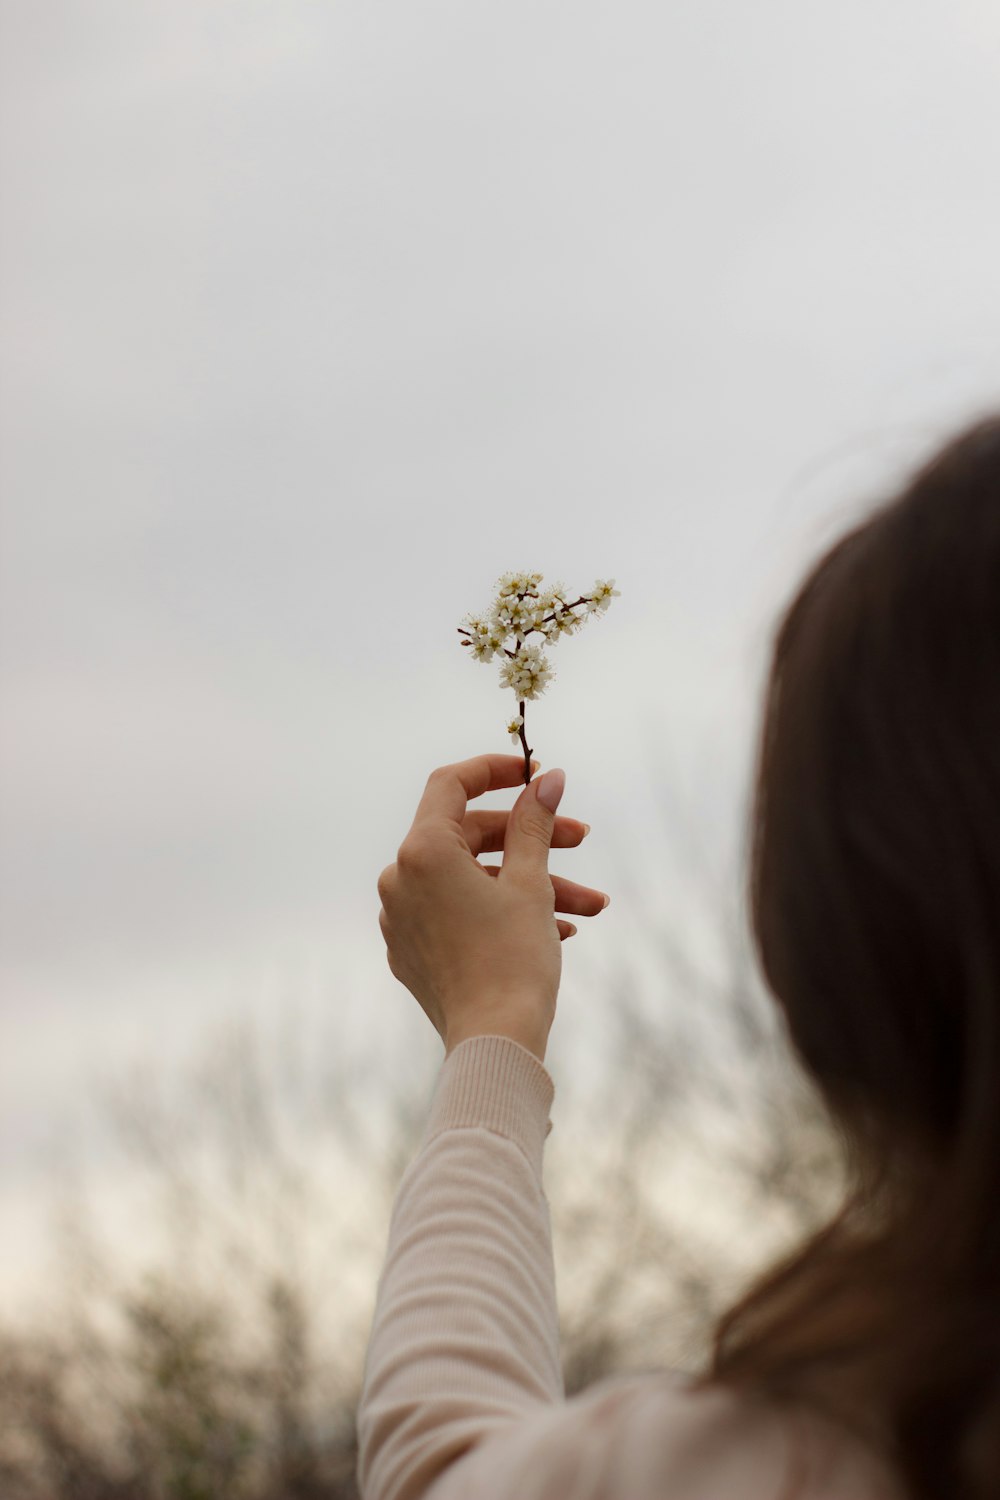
(875, 866)
(874, 884)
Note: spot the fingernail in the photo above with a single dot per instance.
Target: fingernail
(535, 764)
(586, 829)
(607, 901)
(550, 788)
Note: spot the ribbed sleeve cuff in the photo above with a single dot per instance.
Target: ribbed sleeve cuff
(495, 1083)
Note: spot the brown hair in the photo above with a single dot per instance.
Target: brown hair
(874, 889)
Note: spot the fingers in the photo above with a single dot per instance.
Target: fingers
(576, 900)
(485, 830)
(566, 930)
(449, 788)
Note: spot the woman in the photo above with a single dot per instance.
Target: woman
(866, 1366)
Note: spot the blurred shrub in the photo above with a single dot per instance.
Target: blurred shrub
(687, 1149)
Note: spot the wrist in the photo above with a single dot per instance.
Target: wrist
(529, 1032)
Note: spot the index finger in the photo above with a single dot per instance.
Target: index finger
(449, 788)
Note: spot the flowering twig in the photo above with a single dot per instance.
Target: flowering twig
(521, 609)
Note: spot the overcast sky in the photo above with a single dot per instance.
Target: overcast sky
(317, 317)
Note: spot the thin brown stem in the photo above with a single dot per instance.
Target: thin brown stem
(582, 600)
(524, 741)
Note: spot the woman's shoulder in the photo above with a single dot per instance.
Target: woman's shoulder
(646, 1435)
(708, 1441)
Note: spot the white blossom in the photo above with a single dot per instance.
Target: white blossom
(527, 673)
(510, 584)
(513, 616)
(566, 623)
(604, 592)
(473, 625)
(482, 638)
(514, 726)
(484, 648)
(551, 616)
(537, 616)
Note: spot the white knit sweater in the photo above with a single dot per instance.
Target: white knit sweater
(463, 1396)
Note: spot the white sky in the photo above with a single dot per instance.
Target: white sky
(317, 317)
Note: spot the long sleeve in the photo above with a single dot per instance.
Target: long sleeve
(462, 1396)
(465, 1337)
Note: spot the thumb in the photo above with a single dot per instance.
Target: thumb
(529, 827)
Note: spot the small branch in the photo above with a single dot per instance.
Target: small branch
(563, 609)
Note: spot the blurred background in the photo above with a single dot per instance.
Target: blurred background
(317, 316)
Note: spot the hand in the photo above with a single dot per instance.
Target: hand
(477, 945)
